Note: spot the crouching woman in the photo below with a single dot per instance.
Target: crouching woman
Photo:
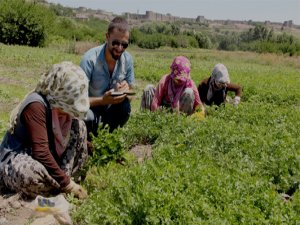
(46, 143)
(176, 91)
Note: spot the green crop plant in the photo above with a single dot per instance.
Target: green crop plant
(106, 146)
(231, 168)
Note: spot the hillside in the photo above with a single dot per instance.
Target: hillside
(84, 14)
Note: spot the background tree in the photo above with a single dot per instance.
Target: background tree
(24, 23)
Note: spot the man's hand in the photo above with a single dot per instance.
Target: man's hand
(109, 99)
(122, 86)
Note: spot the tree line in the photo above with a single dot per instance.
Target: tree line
(33, 24)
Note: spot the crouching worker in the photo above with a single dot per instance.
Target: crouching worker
(46, 143)
(176, 91)
(213, 90)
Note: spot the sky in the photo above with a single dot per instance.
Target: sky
(256, 10)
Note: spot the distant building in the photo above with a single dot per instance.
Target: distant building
(82, 16)
(288, 24)
(153, 16)
(200, 19)
(82, 9)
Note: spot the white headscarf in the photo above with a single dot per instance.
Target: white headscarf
(65, 86)
(220, 75)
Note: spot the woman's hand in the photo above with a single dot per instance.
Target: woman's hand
(236, 101)
(76, 189)
(199, 116)
(199, 113)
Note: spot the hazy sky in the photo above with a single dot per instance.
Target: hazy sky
(256, 10)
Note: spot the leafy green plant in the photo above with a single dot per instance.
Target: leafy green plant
(107, 146)
(231, 168)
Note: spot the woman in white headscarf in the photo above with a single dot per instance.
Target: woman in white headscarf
(46, 143)
(213, 90)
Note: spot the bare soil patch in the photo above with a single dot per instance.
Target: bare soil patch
(14, 210)
(142, 152)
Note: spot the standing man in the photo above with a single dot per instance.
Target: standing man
(109, 69)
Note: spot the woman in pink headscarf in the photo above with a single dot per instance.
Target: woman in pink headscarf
(175, 90)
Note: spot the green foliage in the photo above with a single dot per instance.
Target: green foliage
(262, 40)
(162, 28)
(135, 35)
(203, 40)
(60, 10)
(137, 134)
(155, 35)
(70, 29)
(31, 24)
(181, 41)
(231, 168)
(272, 47)
(23, 23)
(97, 30)
(285, 38)
(259, 32)
(148, 28)
(152, 41)
(107, 146)
(175, 29)
(229, 42)
(207, 172)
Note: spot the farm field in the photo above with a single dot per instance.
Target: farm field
(231, 168)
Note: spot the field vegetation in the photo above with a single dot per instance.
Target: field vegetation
(237, 166)
(231, 168)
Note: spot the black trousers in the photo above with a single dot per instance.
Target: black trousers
(114, 115)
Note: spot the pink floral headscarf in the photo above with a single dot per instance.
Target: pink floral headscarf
(178, 79)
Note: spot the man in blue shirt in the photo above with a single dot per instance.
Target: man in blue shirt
(109, 69)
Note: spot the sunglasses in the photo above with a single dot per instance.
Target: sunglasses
(116, 43)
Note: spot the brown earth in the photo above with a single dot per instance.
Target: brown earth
(14, 210)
